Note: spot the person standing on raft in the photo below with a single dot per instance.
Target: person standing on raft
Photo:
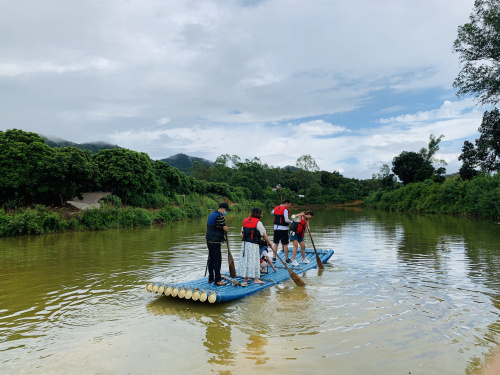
(216, 230)
(281, 222)
(297, 230)
(253, 230)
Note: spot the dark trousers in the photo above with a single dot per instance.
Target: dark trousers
(214, 261)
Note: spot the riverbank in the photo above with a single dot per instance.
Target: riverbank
(479, 197)
(106, 212)
(100, 211)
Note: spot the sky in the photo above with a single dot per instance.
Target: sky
(351, 83)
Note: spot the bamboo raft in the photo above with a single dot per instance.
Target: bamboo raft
(201, 290)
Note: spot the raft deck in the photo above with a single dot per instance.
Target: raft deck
(201, 290)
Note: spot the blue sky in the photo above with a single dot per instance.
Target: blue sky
(352, 83)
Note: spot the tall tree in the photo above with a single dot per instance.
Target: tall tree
(486, 153)
(307, 163)
(478, 43)
(488, 144)
(429, 153)
(64, 174)
(20, 153)
(223, 167)
(469, 161)
(411, 166)
(126, 172)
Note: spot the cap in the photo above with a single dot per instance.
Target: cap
(224, 205)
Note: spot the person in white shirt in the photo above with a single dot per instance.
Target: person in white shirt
(297, 230)
(281, 222)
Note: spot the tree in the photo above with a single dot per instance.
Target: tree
(411, 166)
(20, 152)
(385, 177)
(126, 172)
(223, 167)
(469, 161)
(478, 43)
(488, 144)
(200, 171)
(430, 152)
(274, 175)
(429, 156)
(64, 174)
(486, 153)
(307, 163)
(331, 180)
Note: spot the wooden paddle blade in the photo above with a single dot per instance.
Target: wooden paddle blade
(232, 270)
(320, 263)
(230, 260)
(298, 281)
(296, 278)
(318, 260)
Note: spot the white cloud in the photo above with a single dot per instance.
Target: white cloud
(211, 77)
(319, 127)
(448, 110)
(162, 121)
(11, 69)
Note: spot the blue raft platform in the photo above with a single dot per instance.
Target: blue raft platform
(201, 290)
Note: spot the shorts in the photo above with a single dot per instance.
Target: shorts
(280, 235)
(296, 237)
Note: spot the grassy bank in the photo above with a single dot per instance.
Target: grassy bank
(112, 214)
(479, 197)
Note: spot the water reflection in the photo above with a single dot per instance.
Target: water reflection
(213, 318)
(255, 348)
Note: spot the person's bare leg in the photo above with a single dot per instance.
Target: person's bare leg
(294, 249)
(303, 249)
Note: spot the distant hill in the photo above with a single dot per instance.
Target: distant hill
(184, 162)
(93, 147)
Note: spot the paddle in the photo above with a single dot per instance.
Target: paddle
(234, 282)
(230, 260)
(293, 275)
(318, 260)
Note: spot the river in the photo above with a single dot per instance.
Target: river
(403, 294)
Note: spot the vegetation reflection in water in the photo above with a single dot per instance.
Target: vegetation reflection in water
(402, 293)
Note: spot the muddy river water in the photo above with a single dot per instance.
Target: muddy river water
(403, 294)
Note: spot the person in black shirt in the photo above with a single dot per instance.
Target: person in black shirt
(216, 231)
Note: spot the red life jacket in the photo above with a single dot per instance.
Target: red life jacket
(250, 232)
(279, 216)
(299, 228)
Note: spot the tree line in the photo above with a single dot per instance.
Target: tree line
(34, 173)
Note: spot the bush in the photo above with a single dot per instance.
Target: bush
(478, 197)
(31, 221)
(111, 200)
(149, 200)
(95, 218)
(131, 217)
